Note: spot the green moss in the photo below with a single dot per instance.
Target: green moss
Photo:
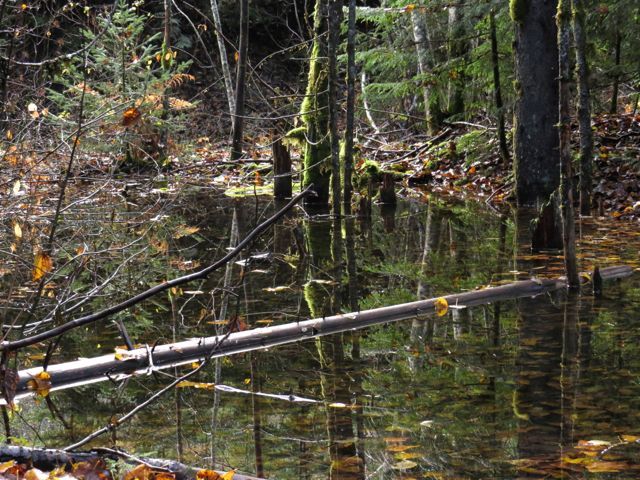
(518, 10)
(296, 137)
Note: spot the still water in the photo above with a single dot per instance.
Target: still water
(529, 388)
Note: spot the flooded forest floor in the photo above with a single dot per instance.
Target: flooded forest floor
(554, 377)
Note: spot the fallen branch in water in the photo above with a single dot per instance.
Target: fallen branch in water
(49, 459)
(145, 360)
(199, 275)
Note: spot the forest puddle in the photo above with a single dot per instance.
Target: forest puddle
(525, 388)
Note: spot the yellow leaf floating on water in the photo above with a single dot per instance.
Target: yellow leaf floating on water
(41, 265)
(441, 306)
(200, 385)
(40, 383)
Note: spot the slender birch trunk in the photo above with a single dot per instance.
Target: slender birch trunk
(420, 38)
(226, 72)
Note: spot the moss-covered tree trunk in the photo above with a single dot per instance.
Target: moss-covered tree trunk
(584, 108)
(315, 114)
(536, 160)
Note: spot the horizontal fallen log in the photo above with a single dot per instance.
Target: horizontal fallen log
(48, 459)
(145, 360)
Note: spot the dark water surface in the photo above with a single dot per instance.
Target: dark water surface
(533, 388)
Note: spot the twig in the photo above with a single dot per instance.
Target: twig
(201, 274)
(425, 146)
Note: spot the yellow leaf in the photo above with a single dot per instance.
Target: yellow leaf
(40, 383)
(410, 8)
(17, 230)
(42, 265)
(9, 135)
(229, 475)
(199, 385)
(167, 56)
(236, 56)
(24, 6)
(16, 187)
(441, 306)
(629, 438)
(130, 116)
(207, 475)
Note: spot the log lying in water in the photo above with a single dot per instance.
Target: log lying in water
(48, 459)
(145, 360)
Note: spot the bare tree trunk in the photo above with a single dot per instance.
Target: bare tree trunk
(497, 91)
(351, 107)
(335, 19)
(167, 58)
(420, 38)
(457, 49)
(566, 174)
(238, 120)
(535, 141)
(226, 73)
(584, 108)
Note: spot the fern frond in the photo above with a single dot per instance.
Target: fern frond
(179, 79)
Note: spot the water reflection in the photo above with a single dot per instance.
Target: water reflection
(501, 391)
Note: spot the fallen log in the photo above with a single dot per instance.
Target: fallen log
(146, 360)
(46, 459)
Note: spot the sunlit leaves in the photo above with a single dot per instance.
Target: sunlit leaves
(198, 385)
(42, 265)
(17, 230)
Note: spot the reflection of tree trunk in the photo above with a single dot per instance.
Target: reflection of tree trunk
(352, 279)
(234, 236)
(538, 398)
(255, 406)
(570, 368)
(345, 463)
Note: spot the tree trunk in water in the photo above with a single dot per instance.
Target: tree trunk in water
(335, 19)
(584, 109)
(314, 114)
(282, 185)
(616, 74)
(536, 161)
(564, 120)
(238, 120)
(351, 107)
(497, 91)
(226, 73)
(420, 37)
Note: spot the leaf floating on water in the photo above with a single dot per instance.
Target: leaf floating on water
(441, 306)
(41, 265)
(281, 288)
(40, 383)
(199, 385)
(404, 465)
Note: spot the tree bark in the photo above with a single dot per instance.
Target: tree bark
(224, 62)
(420, 38)
(536, 161)
(584, 108)
(497, 91)
(351, 108)
(457, 49)
(335, 19)
(238, 117)
(314, 114)
(564, 120)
